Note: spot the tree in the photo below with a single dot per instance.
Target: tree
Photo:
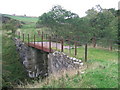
(58, 19)
(100, 22)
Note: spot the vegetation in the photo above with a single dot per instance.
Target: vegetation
(13, 72)
(98, 26)
(10, 24)
(0, 58)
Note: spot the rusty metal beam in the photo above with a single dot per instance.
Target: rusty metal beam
(75, 48)
(23, 37)
(50, 44)
(34, 40)
(42, 40)
(28, 39)
(62, 42)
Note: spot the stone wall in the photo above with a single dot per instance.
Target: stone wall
(59, 61)
(40, 63)
(34, 60)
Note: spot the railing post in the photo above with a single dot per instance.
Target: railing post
(69, 46)
(43, 35)
(19, 35)
(46, 36)
(62, 45)
(23, 37)
(75, 48)
(85, 52)
(34, 40)
(42, 40)
(28, 39)
(56, 42)
(50, 44)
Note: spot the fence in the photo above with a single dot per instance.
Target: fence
(47, 42)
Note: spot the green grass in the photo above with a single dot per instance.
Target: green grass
(94, 53)
(24, 19)
(12, 70)
(0, 58)
(101, 71)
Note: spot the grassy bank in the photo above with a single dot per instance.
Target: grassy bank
(12, 70)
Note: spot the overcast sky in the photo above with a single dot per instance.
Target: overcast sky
(38, 7)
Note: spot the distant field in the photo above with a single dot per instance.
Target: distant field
(25, 19)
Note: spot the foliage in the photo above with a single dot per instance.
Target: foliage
(13, 72)
(98, 25)
(104, 24)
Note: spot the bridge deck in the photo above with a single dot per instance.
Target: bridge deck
(46, 46)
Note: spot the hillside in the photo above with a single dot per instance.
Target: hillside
(7, 20)
(23, 18)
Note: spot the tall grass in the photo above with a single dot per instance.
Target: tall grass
(13, 72)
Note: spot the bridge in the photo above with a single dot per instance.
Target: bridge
(49, 43)
(43, 54)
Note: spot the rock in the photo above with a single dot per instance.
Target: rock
(71, 58)
(81, 64)
(64, 62)
(76, 63)
(74, 58)
(82, 72)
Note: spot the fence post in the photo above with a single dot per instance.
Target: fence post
(46, 36)
(75, 48)
(19, 35)
(28, 39)
(50, 44)
(62, 45)
(23, 37)
(43, 35)
(56, 42)
(42, 40)
(34, 39)
(69, 46)
(85, 52)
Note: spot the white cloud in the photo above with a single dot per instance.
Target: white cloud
(38, 7)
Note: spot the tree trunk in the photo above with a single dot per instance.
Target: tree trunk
(110, 45)
(94, 42)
